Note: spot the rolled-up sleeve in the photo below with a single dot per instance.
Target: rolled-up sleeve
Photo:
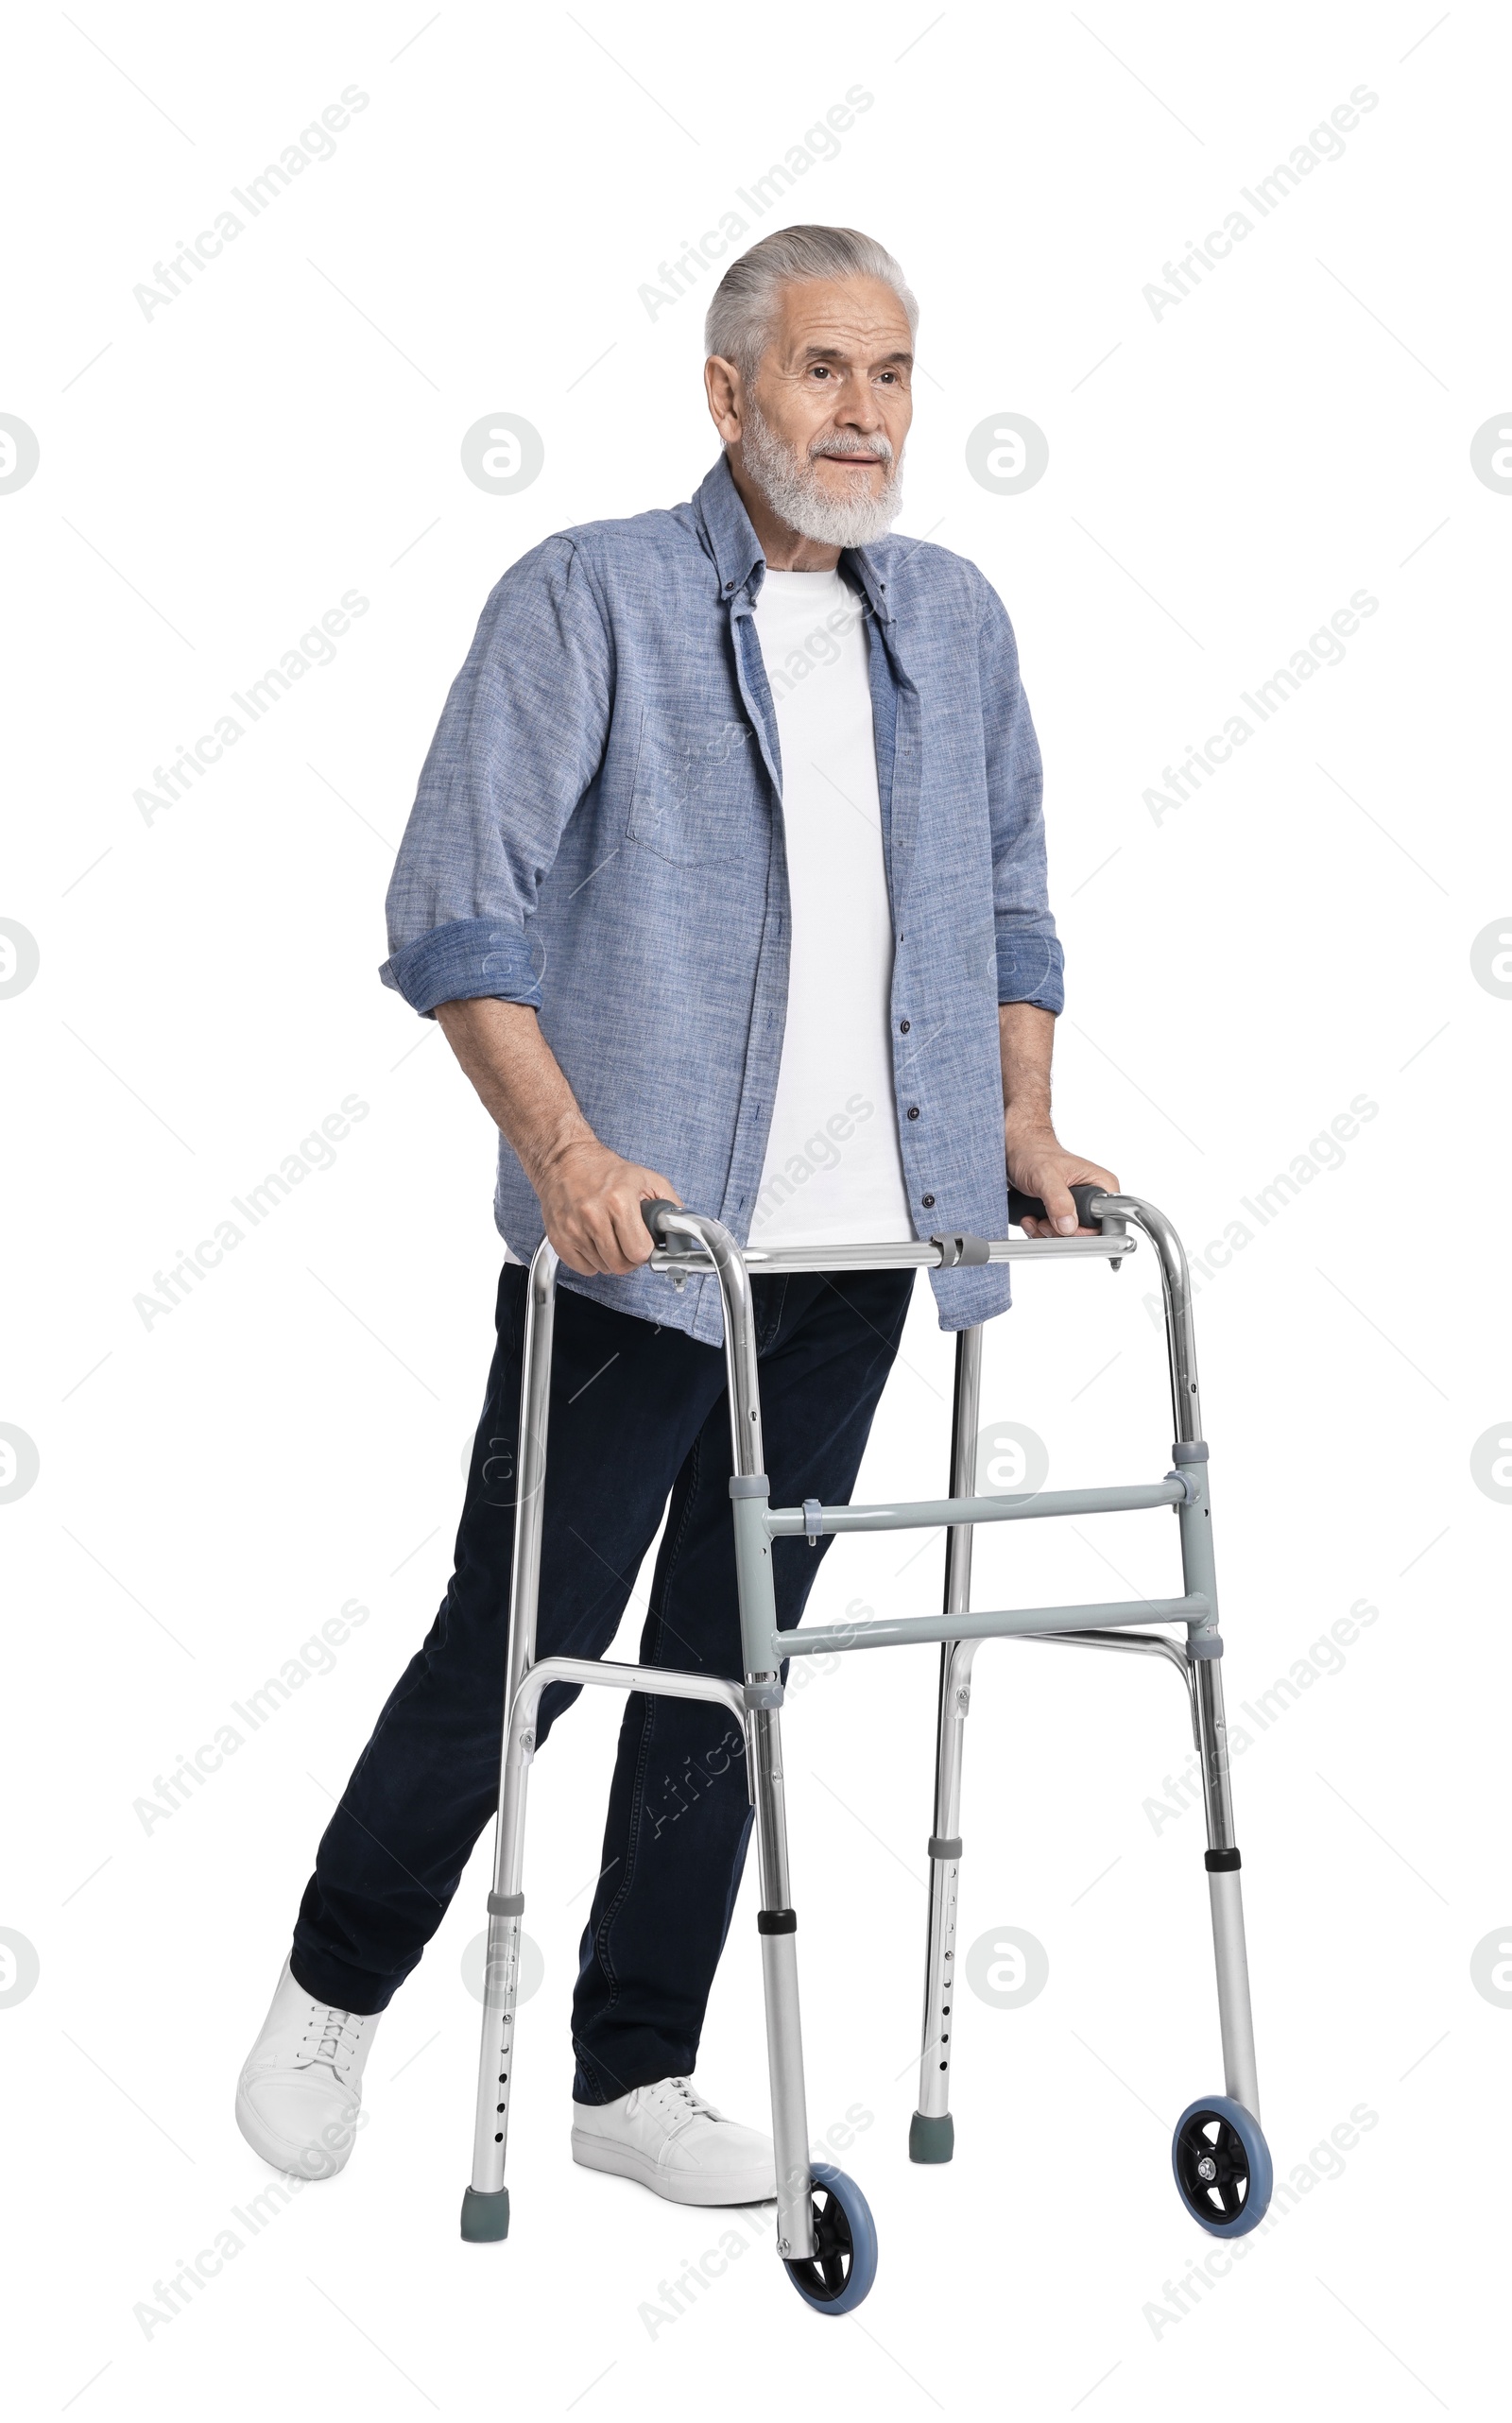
(1030, 962)
(520, 740)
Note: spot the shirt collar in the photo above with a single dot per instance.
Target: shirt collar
(736, 549)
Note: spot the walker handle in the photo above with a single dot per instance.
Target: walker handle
(1028, 1207)
(649, 1211)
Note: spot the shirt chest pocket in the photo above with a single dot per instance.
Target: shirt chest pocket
(696, 800)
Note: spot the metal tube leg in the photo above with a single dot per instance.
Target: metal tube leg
(1203, 1652)
(1235, 2019)
(501, 1977)
(931, 2131)
(485, 2202)
(784, 2038)
(775, 1920)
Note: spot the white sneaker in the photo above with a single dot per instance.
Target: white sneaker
(675, 2144)
(299, 2095)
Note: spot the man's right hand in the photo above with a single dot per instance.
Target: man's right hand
(590, 1204)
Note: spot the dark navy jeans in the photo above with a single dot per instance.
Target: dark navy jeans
(638, 1414)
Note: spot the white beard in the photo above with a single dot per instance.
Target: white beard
(792, 486)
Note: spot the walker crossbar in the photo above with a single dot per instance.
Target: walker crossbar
(667, 1682)
(1040, 1623)
(1221, 2164)
(932, 1253)
(928, 1514)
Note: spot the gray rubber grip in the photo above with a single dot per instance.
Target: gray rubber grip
(649, 1211)
(1028, 1207)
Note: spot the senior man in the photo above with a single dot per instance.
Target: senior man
(726, 881)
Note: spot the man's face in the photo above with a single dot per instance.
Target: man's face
(820, 429)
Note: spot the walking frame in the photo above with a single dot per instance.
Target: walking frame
(825, 2234)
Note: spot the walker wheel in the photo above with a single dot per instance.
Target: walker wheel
(835, 2277)
(1222, 2165)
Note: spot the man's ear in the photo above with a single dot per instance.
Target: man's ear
(722, 384)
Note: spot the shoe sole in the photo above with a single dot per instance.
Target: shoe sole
(679, 2187)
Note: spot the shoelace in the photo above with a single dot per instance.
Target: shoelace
(685, 2100)
(337, 2036)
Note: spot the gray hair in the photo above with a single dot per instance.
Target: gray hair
(741, 316)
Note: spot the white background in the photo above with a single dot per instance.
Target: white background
(214, 1488)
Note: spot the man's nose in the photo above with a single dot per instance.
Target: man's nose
(858, 407)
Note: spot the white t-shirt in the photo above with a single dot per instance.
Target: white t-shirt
(832, 1171)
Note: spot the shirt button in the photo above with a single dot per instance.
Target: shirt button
(914, 1112)
(902, 1026)
(929, 1203)
(728, 586)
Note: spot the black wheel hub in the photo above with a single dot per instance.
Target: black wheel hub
(1213, 2167)
(822, 2275)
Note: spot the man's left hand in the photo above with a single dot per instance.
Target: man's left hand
(1040, 1164)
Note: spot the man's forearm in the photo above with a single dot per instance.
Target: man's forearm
(590, 1197)
(518, 1079)
(1026, 1038)
(1036, 1160)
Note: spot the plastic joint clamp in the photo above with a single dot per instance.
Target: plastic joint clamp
(961, 1250)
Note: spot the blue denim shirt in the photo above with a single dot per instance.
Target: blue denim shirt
(598, 833)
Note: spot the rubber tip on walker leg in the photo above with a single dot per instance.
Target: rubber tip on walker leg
(484, 2218)
(931, 2141)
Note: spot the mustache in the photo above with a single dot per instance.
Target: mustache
(842, 445)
